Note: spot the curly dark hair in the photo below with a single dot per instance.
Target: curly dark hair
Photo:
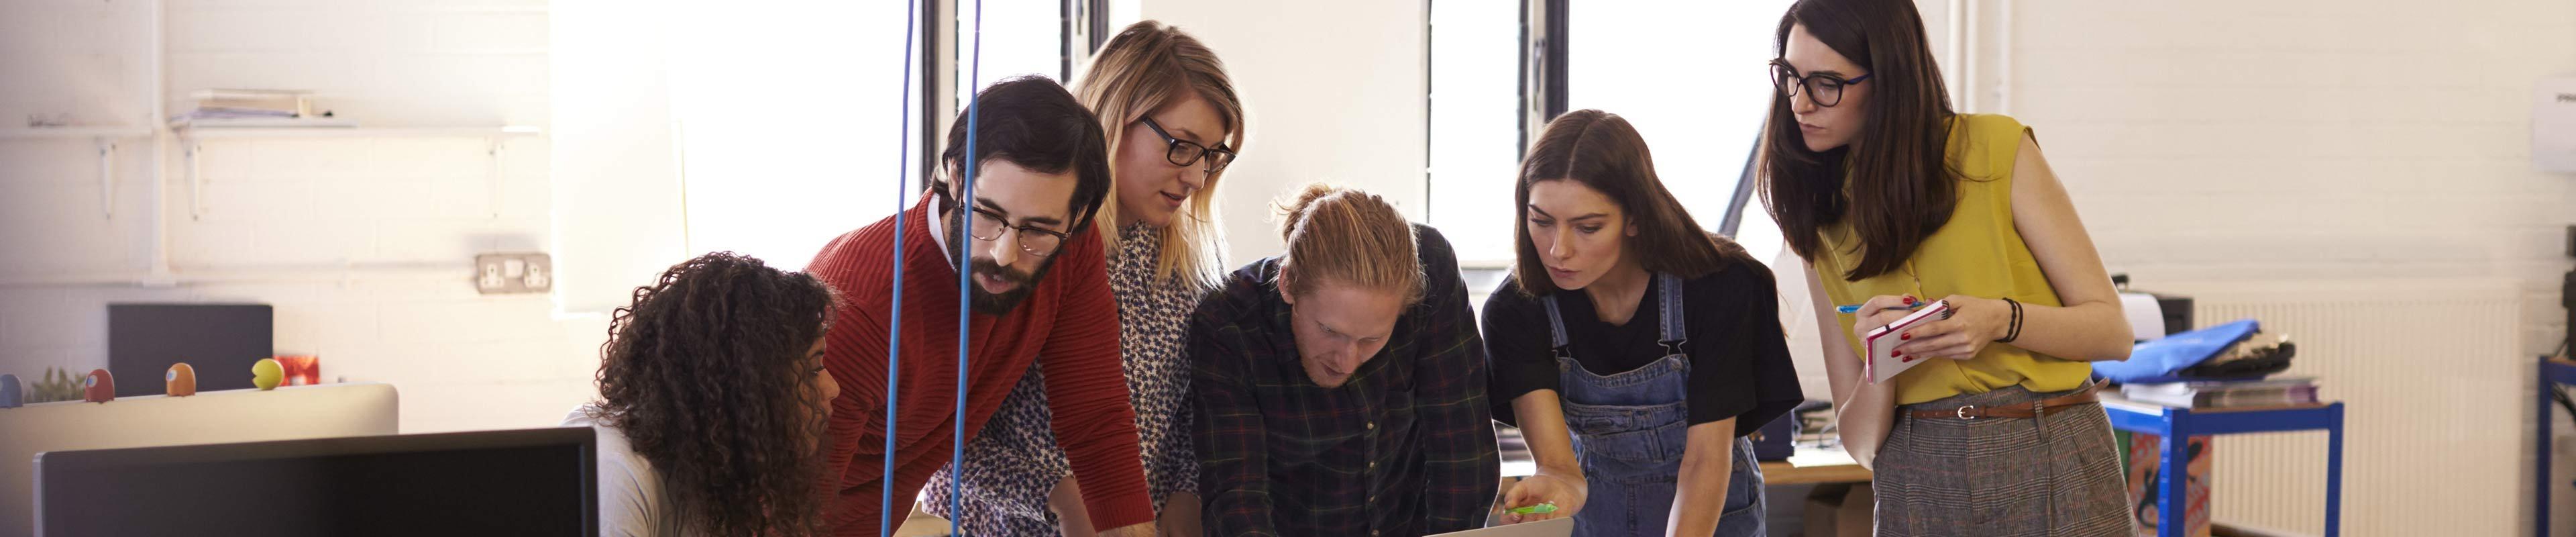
(707, 375)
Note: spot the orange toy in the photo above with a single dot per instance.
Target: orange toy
(181, 381)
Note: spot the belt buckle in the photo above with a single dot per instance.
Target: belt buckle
(1962, 413)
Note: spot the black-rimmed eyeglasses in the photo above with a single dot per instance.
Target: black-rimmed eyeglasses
(1184, 152)
(988, 226)
(1826, 90)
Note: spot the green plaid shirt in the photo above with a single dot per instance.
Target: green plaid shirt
(1405, 448)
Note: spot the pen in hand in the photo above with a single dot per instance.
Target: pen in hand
(1855, 308)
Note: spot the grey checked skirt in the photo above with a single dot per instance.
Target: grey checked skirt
(2056, 475)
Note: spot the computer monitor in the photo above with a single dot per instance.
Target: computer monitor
(209, 417)
(518, 482)
(144, 339)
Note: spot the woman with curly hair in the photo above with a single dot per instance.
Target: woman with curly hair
(713, 402)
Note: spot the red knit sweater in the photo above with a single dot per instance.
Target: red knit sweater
(1070, 319)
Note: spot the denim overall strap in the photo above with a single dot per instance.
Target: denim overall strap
(1672, 334)
(1555, 326)
(1674, 330)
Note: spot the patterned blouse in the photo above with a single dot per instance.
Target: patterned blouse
(1014, 463)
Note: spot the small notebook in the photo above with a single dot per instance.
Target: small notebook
(1884, 340)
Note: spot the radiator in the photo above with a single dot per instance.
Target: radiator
(2437, 409)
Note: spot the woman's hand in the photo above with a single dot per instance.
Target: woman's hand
(1877, 312)
(1973, 323)
(1567, 493)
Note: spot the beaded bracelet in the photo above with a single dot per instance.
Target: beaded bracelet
(2015, 332)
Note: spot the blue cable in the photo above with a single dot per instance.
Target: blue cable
(965, 268)
(894, 327)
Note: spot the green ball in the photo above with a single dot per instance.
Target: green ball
(267, 374)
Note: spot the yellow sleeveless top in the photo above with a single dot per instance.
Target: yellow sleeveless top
(1979, 254)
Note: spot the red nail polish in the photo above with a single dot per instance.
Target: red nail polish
(1896, 354)
(1909, 301)
(1904, 337)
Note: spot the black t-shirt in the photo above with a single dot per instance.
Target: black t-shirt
(1739, 356)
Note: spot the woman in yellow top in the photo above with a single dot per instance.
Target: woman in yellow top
(1894, 200)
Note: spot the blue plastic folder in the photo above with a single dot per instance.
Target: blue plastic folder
(2157, 361)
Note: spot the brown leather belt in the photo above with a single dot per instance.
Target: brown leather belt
(2051, 406)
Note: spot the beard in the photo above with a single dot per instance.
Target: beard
(986, 302)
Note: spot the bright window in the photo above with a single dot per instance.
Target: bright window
(1692, 77)
(786, 118)
(787, 114)
(1475, 127)
(1688, 74)
(1021, 37)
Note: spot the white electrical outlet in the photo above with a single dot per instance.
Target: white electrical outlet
(513, 273)
(489, 279)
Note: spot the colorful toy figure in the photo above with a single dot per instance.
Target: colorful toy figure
(301, 369)
(99, 388)
(10, 397)
(181, 381)
(267, 374)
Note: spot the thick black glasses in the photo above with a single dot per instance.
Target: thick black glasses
(1826, 90)
(1184, 152)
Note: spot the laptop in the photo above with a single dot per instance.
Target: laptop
(1560, 527)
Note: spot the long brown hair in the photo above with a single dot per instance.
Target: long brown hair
(1901, 186)
(1148, 65)
(1600, 150)
(706, 374)
(1349, 237)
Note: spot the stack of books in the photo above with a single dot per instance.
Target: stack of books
(2247, 393)
(254, 108)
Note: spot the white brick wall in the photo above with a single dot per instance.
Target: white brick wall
(293, 210)
(2215, 142)
(2222, 141)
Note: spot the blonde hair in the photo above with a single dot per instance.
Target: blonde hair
(1348, 236)
(1146, 66)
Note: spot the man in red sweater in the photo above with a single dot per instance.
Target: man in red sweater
(1040, 290)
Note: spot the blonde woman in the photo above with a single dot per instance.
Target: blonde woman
(1173, 124)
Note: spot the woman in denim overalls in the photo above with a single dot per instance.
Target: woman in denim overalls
(1662, 346)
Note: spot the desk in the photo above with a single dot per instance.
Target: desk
(1814, 466)
(2552, 373)
(1808, 466)
(2170, 424)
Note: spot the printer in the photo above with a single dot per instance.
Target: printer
(2152, 316)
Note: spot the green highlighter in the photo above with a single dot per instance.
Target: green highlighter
(1539, 509)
